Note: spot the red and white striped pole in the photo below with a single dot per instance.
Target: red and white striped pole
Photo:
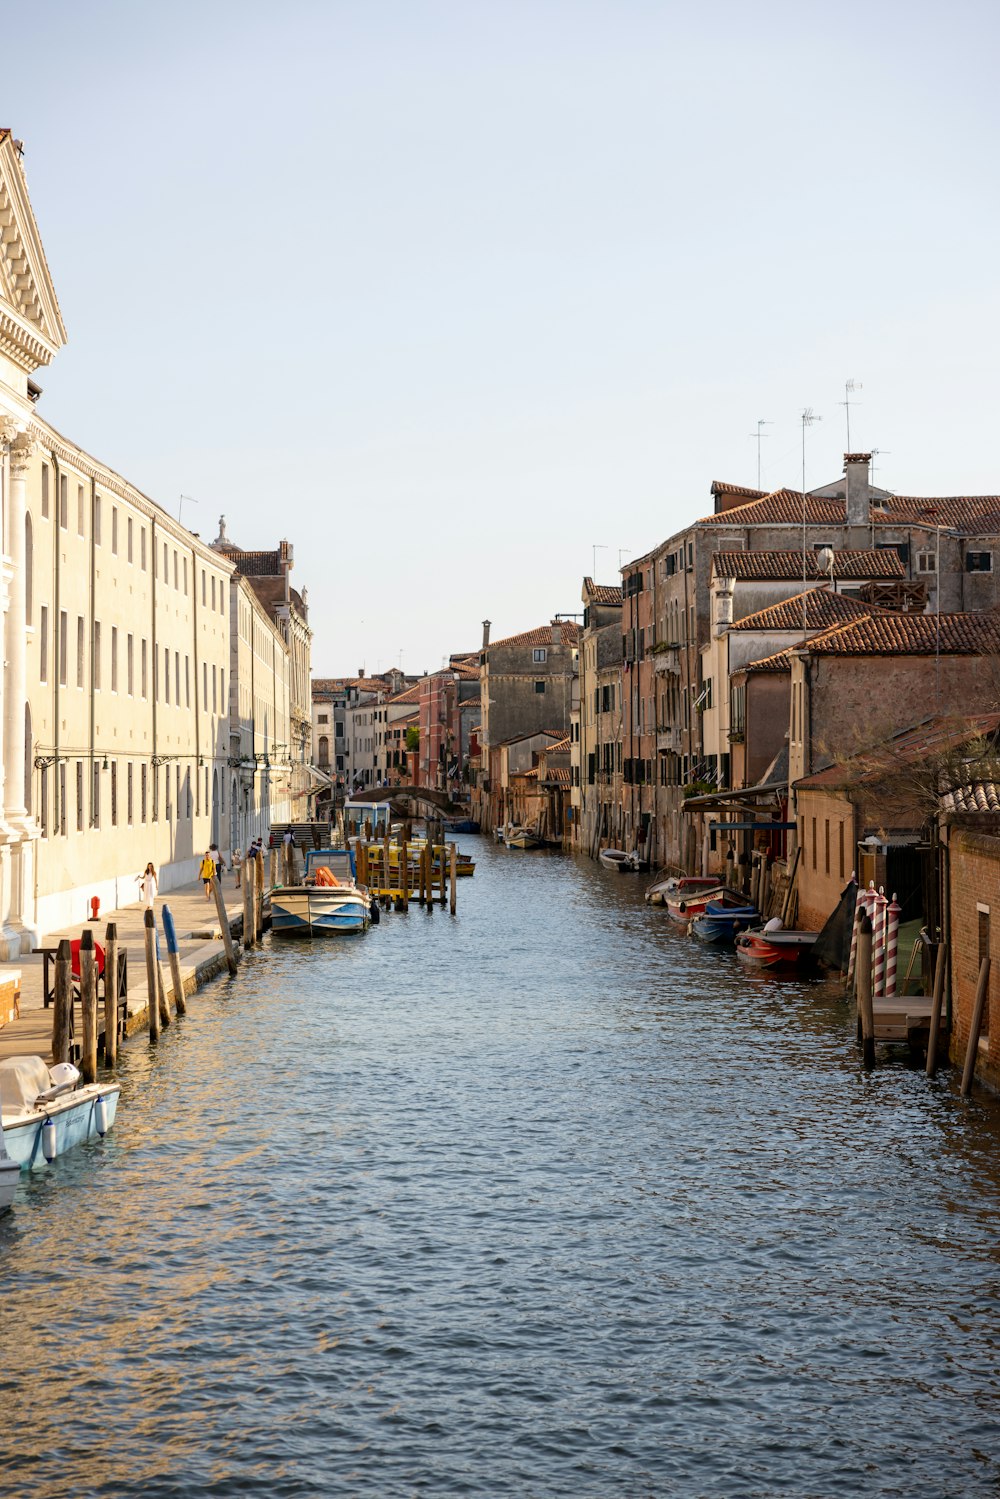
(878, 944)
(892, 915)
(859, 911)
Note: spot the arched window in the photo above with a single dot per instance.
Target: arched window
(324, 749)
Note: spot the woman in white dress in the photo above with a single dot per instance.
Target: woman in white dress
(147, 885)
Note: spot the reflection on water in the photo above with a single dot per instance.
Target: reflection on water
(543, 1200)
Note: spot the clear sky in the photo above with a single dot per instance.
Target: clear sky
(448, 294)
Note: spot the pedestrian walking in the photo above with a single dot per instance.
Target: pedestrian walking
(147, 885)
(220, 867)
(237, 865)
(207, 874)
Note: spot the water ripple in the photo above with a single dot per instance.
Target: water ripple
(543, 1200)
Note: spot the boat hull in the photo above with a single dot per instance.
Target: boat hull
(10, 1175)
(74, 1116)
(775, 950)
(317, 911)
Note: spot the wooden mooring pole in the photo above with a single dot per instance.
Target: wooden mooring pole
(453, 862)
(152, 998)
(863, 980)
(443, 867)
(227, 936)
(62, 1002)
(258, 898)
(88, 1007)
(161, 988)
(982, 990)
(174, 959)
(111, 995)
(249, 870)
(940, 966)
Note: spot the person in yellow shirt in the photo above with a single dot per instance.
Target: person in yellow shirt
(207, 874)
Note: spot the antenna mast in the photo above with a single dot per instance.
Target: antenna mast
(850, 386)
(758, 436)
(808, 417)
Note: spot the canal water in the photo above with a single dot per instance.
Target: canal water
(544, 1199)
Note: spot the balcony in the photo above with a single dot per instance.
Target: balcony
(667, 661)
(668, 737)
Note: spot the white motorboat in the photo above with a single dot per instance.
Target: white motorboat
(45, 1111)
(10, 1174)
(328, 902)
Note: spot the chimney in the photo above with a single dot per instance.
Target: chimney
(724, 604)
(556, 634)
(486, 633)
(361, 671)
(858, 490)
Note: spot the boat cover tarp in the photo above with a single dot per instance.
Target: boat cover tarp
(21, 1081)
(833, 945)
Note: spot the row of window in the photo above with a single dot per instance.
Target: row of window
(133, 797)
(169, 679)
(211, 596)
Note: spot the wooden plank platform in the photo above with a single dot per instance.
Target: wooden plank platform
(903, 1020)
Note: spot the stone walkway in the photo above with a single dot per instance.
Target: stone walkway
(201, 951)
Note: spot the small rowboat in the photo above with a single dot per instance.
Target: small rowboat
(684, 907)
(617, 858)
(680, 885)
(775, 949)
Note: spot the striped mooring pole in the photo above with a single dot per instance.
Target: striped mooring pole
(892, 914)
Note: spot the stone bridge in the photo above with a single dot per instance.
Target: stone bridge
(409, 797)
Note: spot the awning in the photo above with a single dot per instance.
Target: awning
(736, 798)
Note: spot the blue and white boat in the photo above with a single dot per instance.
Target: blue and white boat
(45, 1111)
(10, 1175)
(328, 903)
(724, 917)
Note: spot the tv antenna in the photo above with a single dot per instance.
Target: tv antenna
(875, 454)
(622, 552)
(759, 437)
(850, 386)
(191, 501)
(597, 547)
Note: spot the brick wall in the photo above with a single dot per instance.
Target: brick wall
(974, 865)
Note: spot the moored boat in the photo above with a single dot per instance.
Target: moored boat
(10, 1175)
(682, 885)
(625, 863)
(45, 1111)
(517, 837)
(723, 918)
(328, 903)
(775, 948)
(685, 905)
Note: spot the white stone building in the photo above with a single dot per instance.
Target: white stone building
(118, 662)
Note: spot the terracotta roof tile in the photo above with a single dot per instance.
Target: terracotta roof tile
(541, 636)
(603, 593)
(883, 633)
(562, 745)
(411, 695)
(786, 567)
(780, 661)
(559, 774)
(823, 608)
(973, 514)
(720, 487)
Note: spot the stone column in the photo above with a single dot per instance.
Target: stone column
(15, 687)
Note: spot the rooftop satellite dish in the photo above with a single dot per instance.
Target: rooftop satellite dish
(824, 560)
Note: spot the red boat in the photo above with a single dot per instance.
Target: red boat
(775, 949)
(683, 906)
